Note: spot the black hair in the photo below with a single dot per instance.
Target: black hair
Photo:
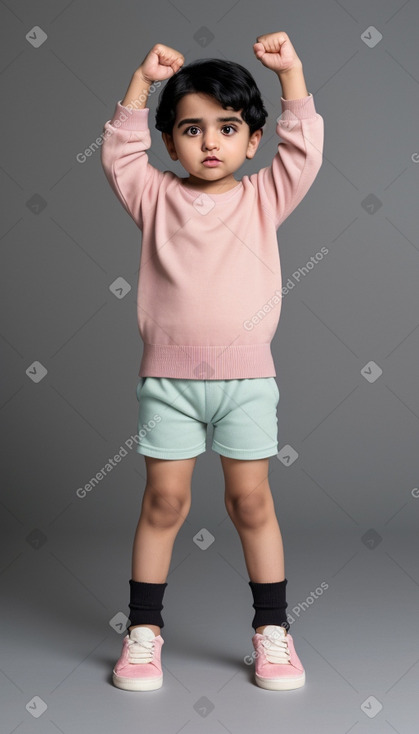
(228, 82)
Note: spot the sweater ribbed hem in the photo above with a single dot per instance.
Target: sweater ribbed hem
(207, 362)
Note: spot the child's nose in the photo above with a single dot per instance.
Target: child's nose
(210, 139)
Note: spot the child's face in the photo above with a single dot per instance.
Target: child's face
(192, 142)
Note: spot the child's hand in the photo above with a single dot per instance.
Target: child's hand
(276, 52)
(160, 63)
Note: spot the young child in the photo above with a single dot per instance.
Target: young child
(209, 300)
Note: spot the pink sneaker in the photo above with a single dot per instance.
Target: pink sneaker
(139, 667)
(277, 665)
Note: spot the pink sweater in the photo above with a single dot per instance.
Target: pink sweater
(209, 288)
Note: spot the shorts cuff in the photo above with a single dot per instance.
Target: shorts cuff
(170, 453)
(244, 453)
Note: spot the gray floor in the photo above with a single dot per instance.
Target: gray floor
(357, 640)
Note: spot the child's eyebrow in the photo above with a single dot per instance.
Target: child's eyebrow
(190, 120)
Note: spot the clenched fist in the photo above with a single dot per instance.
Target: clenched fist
(160, 63)
(276, 52)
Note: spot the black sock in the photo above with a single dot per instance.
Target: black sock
(269, 604)
(146, 603)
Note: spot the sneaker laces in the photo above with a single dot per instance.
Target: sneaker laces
(140, 651)
(276, 649)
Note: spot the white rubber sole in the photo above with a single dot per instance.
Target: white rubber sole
(132, 684)
(281, 684)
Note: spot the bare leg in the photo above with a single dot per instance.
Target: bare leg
(250, 505)
(165, 506)
(263, 551)
(264, 554)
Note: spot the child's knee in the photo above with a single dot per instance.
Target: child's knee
(166, 509)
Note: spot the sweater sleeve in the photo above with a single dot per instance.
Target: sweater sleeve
(284, 183)
(126, 137)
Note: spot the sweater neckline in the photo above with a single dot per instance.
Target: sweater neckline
(193, 193)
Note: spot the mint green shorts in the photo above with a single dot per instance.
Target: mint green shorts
(174, 414)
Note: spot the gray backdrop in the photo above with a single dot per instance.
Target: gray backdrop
(346, 353)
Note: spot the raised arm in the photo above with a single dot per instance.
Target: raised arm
(126, 137)
(137, 93)
(299, 157)
(276, 52)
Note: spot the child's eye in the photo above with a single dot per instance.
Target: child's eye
(231, 127)
(190, 128)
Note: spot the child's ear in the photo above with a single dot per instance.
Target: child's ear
(168, 141)
(254, 141)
